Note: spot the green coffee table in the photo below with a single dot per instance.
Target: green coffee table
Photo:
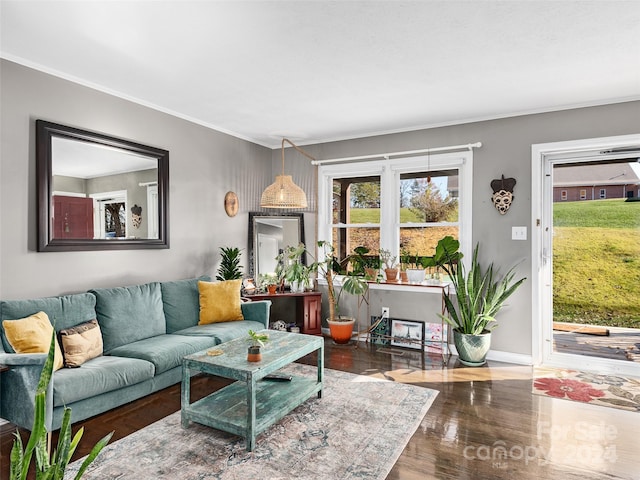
(252, 404)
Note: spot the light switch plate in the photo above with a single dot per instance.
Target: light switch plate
(518, 233)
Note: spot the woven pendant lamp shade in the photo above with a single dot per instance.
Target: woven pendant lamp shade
(283, 193)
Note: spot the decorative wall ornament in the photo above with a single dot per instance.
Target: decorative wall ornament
(502, 197)
(231, 204)
(136, 216)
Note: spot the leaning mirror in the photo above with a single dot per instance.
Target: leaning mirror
(97, 192)
(268, 236)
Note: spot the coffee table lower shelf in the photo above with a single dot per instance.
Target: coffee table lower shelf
(226, 409)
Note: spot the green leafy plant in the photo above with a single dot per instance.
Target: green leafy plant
(388, 259)
(479, 293)
(291, 266)
(258, 339)
(49, 467)
(330, 268)
(230, 268)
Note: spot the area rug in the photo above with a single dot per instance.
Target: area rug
(358, 429)
(608, 390)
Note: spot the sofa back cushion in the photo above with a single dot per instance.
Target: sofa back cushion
(63, 311)
(128, 314)
(181, 303)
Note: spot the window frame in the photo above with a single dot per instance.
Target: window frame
(390, 170)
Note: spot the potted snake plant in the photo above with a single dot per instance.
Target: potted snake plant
(47, 465)
(479, 296)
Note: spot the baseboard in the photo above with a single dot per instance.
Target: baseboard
(506, 357)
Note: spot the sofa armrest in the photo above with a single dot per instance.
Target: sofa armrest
(257, 311)
(18, 386)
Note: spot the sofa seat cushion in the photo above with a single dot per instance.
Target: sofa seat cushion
(96, 376)
(164, 351)
(223, 332)
(181, 303)
(128, 314)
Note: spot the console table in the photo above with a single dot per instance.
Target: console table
(308, 306)
(422, 288)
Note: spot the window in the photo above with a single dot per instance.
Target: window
(563, 195)
(583, 194)
(603, 193)
(404, 205)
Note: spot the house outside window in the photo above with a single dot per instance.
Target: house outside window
(563, 195)
(404, 205)
(583, 194)
(603, 193)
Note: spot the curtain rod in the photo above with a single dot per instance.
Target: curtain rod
(468, 146)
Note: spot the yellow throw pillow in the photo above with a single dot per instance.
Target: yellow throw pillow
(220, 301)
(32, 335)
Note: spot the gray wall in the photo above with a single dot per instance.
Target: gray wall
(506, 149)
(204, 165)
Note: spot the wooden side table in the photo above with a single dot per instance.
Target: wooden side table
(309, 303)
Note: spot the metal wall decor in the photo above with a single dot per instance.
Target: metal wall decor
(502, 197)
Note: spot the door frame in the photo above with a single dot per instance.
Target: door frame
(541, 220)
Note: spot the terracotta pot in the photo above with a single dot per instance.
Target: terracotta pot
(370, 273)
(341, 330)
(391, 274)
(272, 289)
(254, 354)
(404, 278)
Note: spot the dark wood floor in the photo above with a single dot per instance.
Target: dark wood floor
(478, 413)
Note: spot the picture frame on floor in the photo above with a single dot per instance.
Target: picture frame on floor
(407, 334)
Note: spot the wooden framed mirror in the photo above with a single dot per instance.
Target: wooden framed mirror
(97, 192)
(270, 234)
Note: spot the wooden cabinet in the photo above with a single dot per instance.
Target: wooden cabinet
(307, 311)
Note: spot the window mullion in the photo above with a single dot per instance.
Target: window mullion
(389, 210)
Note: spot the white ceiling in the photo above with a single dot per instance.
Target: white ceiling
(317, 71)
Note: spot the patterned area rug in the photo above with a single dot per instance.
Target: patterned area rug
(358, 429)
(608, 390)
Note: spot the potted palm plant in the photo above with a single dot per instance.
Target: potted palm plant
(340, 327)
(480, 294)
(230, 268)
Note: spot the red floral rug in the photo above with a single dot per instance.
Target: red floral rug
(607, 390)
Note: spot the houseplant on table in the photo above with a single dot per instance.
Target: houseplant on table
(390, 265)
(291, 268)
(480, 294)
(254, 353)
(340, 327)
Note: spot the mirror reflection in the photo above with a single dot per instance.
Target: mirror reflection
(268, 236)
(98, 192)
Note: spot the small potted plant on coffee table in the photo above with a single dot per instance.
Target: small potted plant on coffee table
(258, 340)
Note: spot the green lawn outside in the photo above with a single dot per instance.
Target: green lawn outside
(596, 265)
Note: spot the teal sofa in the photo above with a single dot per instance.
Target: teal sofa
(146, 330)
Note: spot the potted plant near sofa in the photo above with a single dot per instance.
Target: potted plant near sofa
(340, 327)
(47, 466)
(230, 268)
(480, 295)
